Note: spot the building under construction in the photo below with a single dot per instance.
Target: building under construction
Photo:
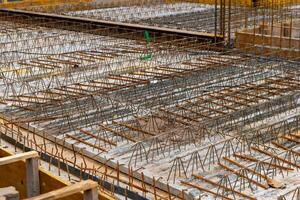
(150, 99)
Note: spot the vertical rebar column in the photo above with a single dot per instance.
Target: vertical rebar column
(229, 23)
(216, 19)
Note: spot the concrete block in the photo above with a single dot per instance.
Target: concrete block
(9, 193)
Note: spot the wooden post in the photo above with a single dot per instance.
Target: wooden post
(32, 177)
(91, 194)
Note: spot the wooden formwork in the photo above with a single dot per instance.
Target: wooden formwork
(27, 3)
(14, 174)
(280, 39)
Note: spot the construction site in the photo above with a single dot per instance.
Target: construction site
(150, 99)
